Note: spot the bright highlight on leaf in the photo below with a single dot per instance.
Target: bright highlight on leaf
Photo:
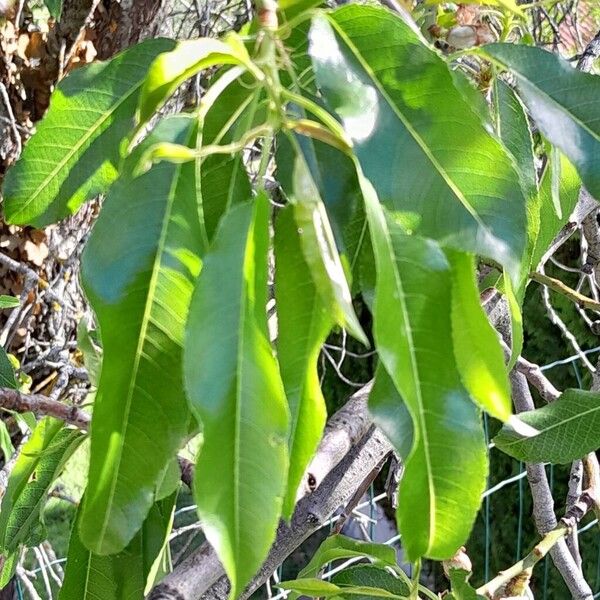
(478, 354)
(187, 59)
(75, 152)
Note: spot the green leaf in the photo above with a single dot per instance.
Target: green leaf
(221, 179)
(420, 144)
(6, 445)
(461, 588)
(550, 223)
(8, 301)
(338, 547)
(561, 100)
(54, 7)
(90, 576)
(7, 372)
(513, 128)
(320, 251)
(558, 433)
(479, 357)
(8, 567)
(139, 269)
(40, 462)
(390, 414)
(87, 342)
(372, 577)
(317, 588)
(235, 391)
(302, 327)
(74, 154)
(188, 58)
(447, 467)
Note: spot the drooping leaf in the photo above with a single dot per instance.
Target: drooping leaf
(90, 576)
(320, 251)
(446, 470)
(8, 567)
(477, 351)
(188, 58)
(318, 588)
(335, 178)
(302, 327)
(235, 390)
(560, 432)
(338, 547)
(418, 141)
(513, 128)
(372, 577)
(6, 445)
(139, 268)
(40, 462)
(561, 100)
(390, 413)
(74, 154)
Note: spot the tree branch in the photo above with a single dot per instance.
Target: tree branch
(201, 575)
(43, 406)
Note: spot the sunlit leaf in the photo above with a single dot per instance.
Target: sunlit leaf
(139, 268)
(302, 326)
(446, 470)
(420, 144)
(235, 391)
(74, 154)
(479, 357)
(40, 462)
(188, 58)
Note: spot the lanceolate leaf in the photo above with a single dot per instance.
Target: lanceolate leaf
(418, 141)
(89, 576)
(320, 251)
(513, 129)
(138, 269)
(478, 354)
(563, 431)
(235, 390)
(302, 326)
(446, 470)
(187, 59)
(562, 101)
(38, 465)
(74, 154)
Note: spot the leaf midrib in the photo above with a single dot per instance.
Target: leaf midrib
(415, 135)
(551, 427)
(67, 158)
(156, 267)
